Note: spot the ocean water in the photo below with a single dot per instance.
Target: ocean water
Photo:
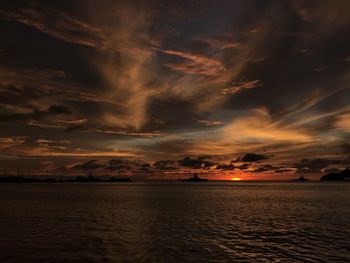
(175, 222)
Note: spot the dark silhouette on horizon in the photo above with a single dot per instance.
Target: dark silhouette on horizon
(300, 179)
(343, 175)
(194, 178)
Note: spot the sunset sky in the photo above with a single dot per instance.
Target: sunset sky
(244, 89)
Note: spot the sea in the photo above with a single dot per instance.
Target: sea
(175, 222)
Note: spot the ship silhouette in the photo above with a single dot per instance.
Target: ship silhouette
(194, 178)
(301, 179)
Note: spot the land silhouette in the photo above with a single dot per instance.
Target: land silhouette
(343, 175)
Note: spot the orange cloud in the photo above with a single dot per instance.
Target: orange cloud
(258, 127)
(343, 122)
(8, 142)
(240, 87)
(195, 63)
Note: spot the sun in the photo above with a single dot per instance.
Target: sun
(235, 179)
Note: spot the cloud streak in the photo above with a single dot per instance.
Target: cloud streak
(57, 24)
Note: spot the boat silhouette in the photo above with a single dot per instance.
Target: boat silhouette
(194, 178)
(301, 179)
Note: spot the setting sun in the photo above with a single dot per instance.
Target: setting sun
(235, 179)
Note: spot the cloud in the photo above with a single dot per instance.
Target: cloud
(209, 122)
(223, 43)
(324, 13)
(125, 132)
(260, 170)
(343, 122)
(73, 121)
(225, 167)
(165, 165)
(129, 68)
(346, 148)
(240, 87)
(35, 114)
(57, 24)
(119, 164)
(195, 163)
(20, 86)
(89, 165)
(315, 165)
(25, 150)
(108, 167)
(285, 170)
(253, 157)
(244, 166)
(195, 63)
(58, 109)
(74, 128)
(9, 142)
(31, 96)
(268, 168)
(53, 144)
(259, 127)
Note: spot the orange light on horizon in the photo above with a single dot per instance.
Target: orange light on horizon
(235, 179)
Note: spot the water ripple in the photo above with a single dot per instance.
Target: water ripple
(174, 222)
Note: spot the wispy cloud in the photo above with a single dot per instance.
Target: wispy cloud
(223, 43)
(258, 127)
(209, 122)
(8, 142)
(195, 63)
(241, 86)
(57, 24)
(125, 132)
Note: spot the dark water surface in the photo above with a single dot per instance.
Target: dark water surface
(175, 222)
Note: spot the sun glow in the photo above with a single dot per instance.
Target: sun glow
(235, 179)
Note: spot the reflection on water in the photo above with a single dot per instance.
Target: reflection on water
(175, 222)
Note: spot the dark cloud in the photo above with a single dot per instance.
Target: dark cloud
(316, 164)
(253, 157)
(165, 165)
(58, 109)
(89, 165)
(56, 24)
(346, 148)
(244, 166)
(284, 170)
(110, 165)
(165, 109)
(32, 113)
(120, 164)
(225, 167)
(197, 163)
(267, 168)
(74, 128)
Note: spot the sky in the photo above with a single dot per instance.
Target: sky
(158, 89)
